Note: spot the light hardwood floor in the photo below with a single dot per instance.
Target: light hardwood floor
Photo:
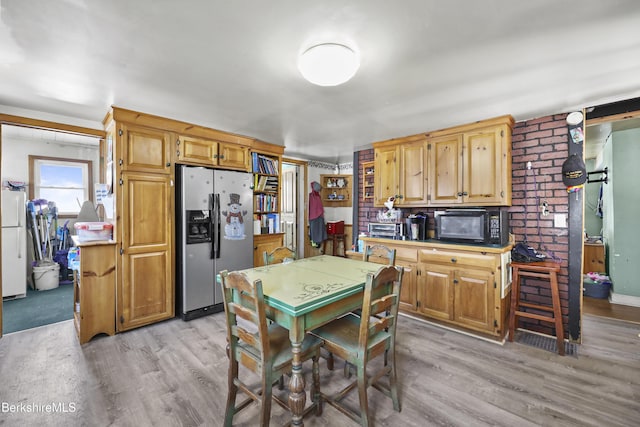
(174, 374)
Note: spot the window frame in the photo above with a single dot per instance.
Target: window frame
(33, 160)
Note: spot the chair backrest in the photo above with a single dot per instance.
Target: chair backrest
(246, 318)
(278, 255)
(380, 251)
(380, 310)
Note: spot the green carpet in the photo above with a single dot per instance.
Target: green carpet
(38, 308)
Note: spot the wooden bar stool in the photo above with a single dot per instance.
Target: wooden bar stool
(540, 270)
(335, 240)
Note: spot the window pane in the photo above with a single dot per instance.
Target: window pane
(64, 181)
(66, 200)
(61, 176)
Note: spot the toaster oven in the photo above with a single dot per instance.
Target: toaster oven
(387, 230)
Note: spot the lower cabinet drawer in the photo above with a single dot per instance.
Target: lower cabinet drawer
(457, 258)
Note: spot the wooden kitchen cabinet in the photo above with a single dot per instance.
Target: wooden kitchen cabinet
(94, 290)
(463, 286)
(387, 177)
(471, 164)
(146, 287)
(265, 243)
(413, 174)
(401, 171)
(143, 149)
(458, 286)
(408, 290)
(208, 152)
(435, 296)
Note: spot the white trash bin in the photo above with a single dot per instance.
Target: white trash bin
(46, 276)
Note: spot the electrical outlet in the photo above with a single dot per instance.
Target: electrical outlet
(544, 208)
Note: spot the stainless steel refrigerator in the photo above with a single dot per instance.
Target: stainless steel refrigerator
(14, 244)
(214, 233)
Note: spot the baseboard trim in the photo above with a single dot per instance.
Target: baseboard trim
(624, 300)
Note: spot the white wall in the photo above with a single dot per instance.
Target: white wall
(16, 151)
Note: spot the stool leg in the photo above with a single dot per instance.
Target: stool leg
(557, 312)
(515, 297)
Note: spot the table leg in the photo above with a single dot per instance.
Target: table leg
(297, 396)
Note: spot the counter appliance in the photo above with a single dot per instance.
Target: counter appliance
(416, 228)
(489, 227)
(214, 233)
(387, 230)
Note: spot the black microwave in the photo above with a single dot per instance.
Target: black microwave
(489, 227)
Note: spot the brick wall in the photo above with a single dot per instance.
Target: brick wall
(544, 143)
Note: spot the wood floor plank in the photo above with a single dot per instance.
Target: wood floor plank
(174, 373)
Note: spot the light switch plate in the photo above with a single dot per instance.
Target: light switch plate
(560, 220)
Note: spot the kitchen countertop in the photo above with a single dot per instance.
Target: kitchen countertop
(436, 244)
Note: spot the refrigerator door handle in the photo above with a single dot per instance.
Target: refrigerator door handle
(212, 251)
(216, 224)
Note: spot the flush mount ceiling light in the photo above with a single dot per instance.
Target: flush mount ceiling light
(328, 64)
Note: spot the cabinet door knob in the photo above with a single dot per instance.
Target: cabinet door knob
(454, 260)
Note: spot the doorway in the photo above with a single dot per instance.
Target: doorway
(293, 204)
(24, 307)
(611, 151)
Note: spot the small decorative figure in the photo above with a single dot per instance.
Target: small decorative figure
(234, 227)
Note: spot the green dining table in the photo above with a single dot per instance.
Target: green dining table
(304, 294)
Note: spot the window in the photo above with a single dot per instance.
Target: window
(67, 182)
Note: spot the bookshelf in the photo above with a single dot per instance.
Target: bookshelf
(266, 192)
(368, 174)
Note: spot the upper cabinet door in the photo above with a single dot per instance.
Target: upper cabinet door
(445, 170)
(196, 150)
(144, 150)
(387, 175)
(209, 152)
(233, 156)
(413, 174)
(487, 171)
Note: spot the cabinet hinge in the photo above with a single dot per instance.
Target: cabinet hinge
(121, 319)
(495, 323)
(120, 181)
(502, 194)
(494, 285)
(428, 146)
(502, 133)
(121, 251)
(120, 133)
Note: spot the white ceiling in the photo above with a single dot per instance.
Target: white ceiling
(231, 65)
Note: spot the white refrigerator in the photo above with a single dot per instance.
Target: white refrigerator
(14, 244)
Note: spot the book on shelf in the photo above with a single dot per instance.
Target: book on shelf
(270, 221)
(265, 183)
(264, 164)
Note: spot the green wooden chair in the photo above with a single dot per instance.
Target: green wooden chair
(278, 255)
(377, 252)
(264, 349)
(358, 340)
